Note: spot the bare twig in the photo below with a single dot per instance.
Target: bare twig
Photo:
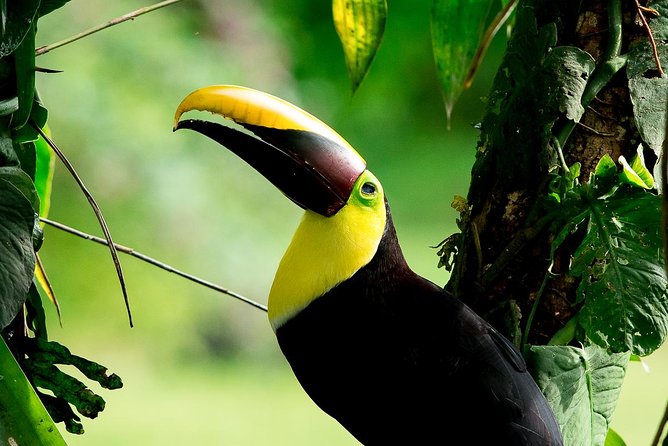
(641, 10)
(154, 262)
(98, 214)
(662, 425)
(124, 18)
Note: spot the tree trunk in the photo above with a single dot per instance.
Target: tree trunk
(504, 260)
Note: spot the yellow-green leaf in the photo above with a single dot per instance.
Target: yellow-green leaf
(635, 172)
(44, 167)
(457, 29)
(23, 418)
(360, 25)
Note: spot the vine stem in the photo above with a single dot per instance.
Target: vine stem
(655, 52)
(124, 18)
(154, 262)
(98, 213)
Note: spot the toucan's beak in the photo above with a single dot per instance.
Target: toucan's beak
(304, 158)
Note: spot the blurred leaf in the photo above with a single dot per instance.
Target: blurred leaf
(360, 25)
(613, 439)
(566, 71)
(20, 18)
(48, 6)
(46, 162)
(623, 284)
(23, 418)
(582, 387)
(24, 57)
(636, 173)
(457, 28)
(17, 256)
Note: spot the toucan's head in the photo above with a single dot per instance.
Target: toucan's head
(318, 170)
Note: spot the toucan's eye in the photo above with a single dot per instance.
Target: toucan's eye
(368, 189)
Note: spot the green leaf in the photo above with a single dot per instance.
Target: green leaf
(48, 6)
(566, 71)
(613, 439)
(25, 78)
(623, 284)
(457, 29)
(360, 25)
(46, 162)
(635, 173)
(17, 256)
(23, 418)
(582, 387)
(20, 18)
(605, 168)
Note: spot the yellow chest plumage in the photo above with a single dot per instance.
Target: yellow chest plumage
(324, 252)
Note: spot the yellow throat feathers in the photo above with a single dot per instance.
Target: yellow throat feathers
(326, 251)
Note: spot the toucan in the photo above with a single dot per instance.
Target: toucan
(393, 357)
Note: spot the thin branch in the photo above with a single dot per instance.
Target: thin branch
(655, 52)
(124, 18)
(98, 214)
(662, 425)
(154, 262)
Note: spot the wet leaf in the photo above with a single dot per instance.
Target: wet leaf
(457, 29)
(360, 25)
(582, 387)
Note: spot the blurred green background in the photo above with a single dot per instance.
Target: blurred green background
(200, 367)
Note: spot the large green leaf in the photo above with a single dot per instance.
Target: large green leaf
(17, 256)
(23, 418)
(20, 17)
(623, 284)
(457, 29)
(360, 25)
(582, 387)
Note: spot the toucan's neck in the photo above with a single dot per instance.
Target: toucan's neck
(324, 252)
